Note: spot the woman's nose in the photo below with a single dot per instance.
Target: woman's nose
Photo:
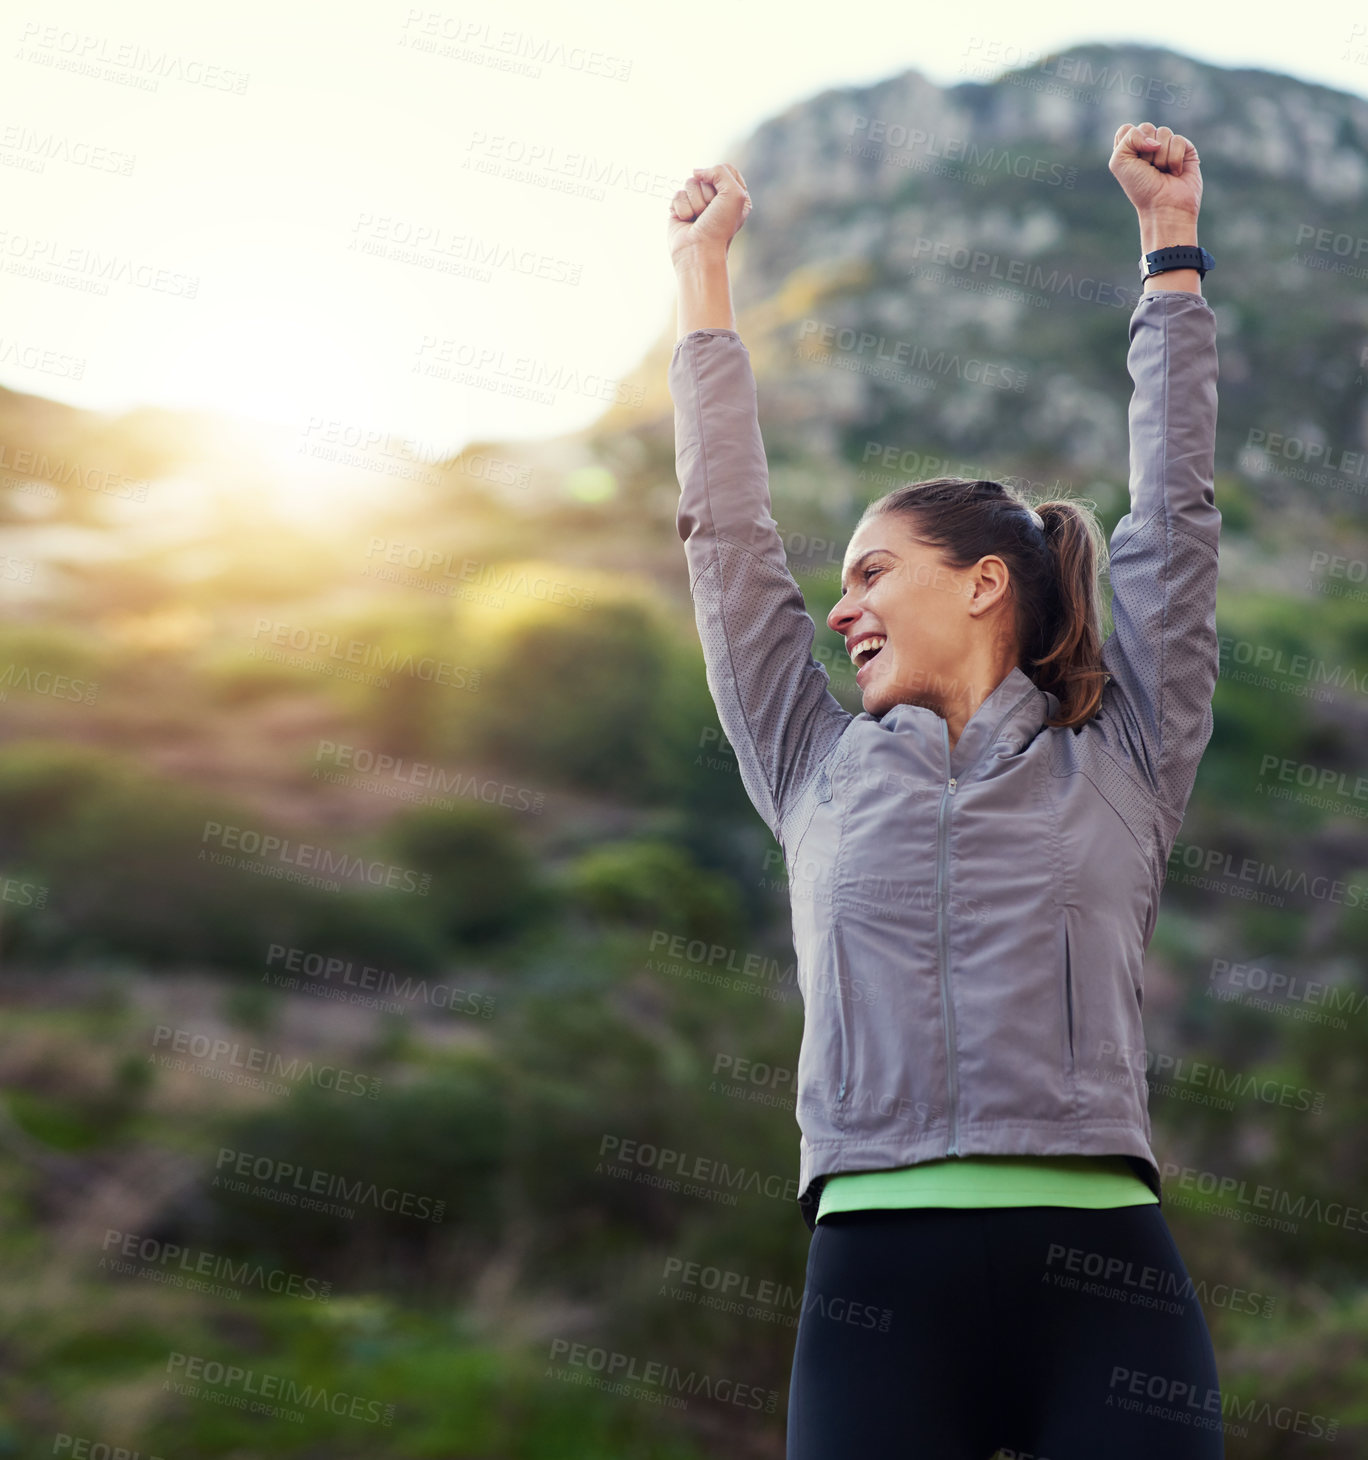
(842, 613)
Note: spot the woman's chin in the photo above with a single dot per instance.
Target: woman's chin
(876, 700)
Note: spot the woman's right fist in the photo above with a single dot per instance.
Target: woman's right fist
(1158, 170)
(707, 211)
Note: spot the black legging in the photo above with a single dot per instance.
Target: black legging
(1057, 1333)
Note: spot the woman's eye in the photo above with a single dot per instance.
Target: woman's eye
(869, 572)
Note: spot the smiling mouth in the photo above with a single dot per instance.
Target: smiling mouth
(866, 650)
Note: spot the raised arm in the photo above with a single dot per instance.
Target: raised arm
(1162, 655)
(773, 698)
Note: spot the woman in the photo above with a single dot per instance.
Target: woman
(975, 863)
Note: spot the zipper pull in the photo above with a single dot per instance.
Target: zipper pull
(952, 782)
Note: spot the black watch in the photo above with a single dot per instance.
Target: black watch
(1180, 256)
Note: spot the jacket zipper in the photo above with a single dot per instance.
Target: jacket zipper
(947, 1007)
(942, 875)
(1068, 994)
(840, 1011)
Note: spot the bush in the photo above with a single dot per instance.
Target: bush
(43, 782)
(122, 865)
(411, 1164)
(651, 884)
(608, 699)
(485, 884)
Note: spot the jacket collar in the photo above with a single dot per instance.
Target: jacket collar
(1013, 714)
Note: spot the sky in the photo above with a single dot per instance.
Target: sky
(384, 220)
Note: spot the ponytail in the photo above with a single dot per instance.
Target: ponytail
(1065, 654)
(1054, 572)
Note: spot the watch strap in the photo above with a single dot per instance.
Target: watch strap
(1179, 256)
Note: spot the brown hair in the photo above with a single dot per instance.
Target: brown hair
(1053, 575)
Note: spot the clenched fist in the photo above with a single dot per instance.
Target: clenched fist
(707, 212)
(1159, 170)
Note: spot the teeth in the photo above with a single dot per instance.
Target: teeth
(866, 647)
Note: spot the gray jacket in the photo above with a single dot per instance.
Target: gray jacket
(970, 925)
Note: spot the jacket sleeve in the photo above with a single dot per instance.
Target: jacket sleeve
(773, 698)
(1162, 654)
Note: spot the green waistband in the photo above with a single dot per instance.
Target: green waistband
(991, 1181)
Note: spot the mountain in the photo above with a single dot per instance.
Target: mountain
(901, 230)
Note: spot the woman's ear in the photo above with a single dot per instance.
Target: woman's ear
(988, 584)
